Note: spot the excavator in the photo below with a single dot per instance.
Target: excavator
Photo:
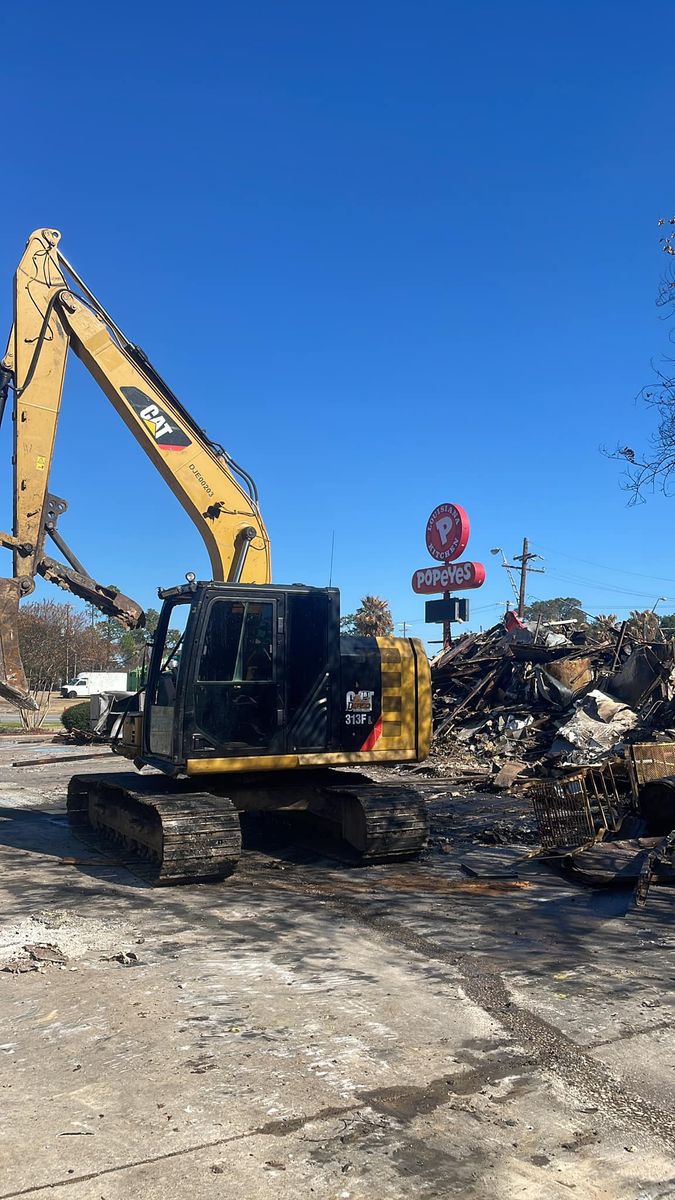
(263, 703)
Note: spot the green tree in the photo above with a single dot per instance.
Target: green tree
(667, 623)
(560, 608)
(107, 633)
(118, 646)
(372, 619)
(133, 643)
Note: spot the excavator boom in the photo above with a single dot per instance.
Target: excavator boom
(54, 312)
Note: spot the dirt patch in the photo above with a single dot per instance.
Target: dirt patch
(72, 936)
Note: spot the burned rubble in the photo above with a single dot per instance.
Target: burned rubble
(578, 725)
(538, 701)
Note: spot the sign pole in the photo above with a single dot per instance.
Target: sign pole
(447, 628)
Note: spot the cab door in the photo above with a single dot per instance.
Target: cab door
(160, 723)
(312, 669)
(237, 703)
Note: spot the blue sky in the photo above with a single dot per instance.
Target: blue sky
(390, 254)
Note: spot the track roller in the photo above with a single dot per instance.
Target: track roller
(176, 835)
(381, 823)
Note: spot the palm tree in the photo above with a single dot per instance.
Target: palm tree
(372, 619)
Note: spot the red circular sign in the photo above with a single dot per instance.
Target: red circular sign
(447, 532)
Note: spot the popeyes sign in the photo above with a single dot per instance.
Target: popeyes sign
(448, 532)
(451, 578)
(447, 536)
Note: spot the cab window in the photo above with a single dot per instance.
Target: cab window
(238, 644)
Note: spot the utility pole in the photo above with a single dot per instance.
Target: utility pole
(524, 560)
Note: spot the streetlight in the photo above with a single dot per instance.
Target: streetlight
(507, 565)
(658, 601)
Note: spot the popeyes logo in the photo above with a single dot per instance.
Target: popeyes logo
(447, 536)
(448, 532)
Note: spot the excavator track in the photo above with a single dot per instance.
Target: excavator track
(380, 822)
(385, 823)
(174, 835)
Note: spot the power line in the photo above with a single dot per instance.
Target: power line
(603, 567)
(602, 586)
(618, 607)
(478, 609)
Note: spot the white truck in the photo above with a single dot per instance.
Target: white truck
(93, 683)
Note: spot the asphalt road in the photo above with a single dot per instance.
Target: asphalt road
(310, 1029)
(10, 717)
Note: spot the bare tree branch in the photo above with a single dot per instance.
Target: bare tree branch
(653, 468)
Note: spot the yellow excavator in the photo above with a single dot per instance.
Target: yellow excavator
(262, 702)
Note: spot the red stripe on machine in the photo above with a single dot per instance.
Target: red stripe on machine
(373, 737)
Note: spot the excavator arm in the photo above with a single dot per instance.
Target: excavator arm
(54, 311)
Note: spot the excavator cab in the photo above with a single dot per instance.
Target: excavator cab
(256, 678)
(253, 674)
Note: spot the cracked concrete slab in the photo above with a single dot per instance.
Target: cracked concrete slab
(306, 1029)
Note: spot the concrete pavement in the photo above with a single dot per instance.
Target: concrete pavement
(309, 1029)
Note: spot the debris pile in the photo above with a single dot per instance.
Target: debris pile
(539, 700)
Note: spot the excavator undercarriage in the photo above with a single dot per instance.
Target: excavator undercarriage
(173, 835)
(170, 834)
